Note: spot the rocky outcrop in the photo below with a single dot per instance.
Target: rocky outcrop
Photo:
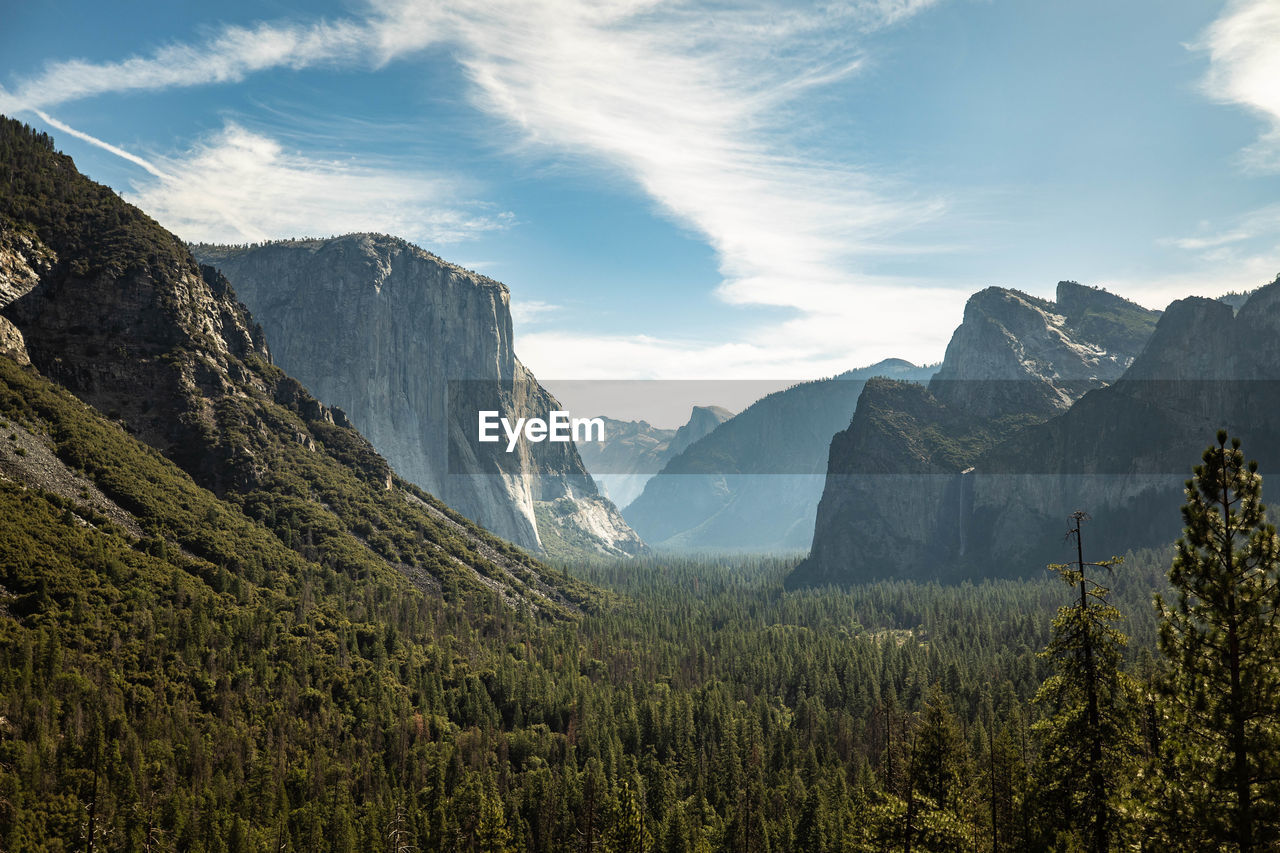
(754, 482)
(23, 260)
(634, 451)
(1017, 354)
(12, 343)
(412, 348)
(1123, 453)
(909, 491)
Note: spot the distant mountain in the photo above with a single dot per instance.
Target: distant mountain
(901, 497)
(634, 451)
(754, 482)
(246, 474)
(412, 348)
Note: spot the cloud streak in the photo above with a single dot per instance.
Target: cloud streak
(145, 165)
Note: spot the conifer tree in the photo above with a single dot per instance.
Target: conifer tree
(1088, 735)
(1221, 744)
(628, 833)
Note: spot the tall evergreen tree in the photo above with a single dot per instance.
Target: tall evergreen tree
(1088, 740)
(1221, 745)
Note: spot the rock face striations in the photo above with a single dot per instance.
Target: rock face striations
(908, 491)
(634, 451)
(754, 482)
(412, 347)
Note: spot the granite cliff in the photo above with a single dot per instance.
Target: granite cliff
(754, 482)
(412, 347)
(903, 480)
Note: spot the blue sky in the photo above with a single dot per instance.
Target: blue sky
(695, 190)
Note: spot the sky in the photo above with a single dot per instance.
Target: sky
(695, 190)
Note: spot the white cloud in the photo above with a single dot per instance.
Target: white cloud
(241, 186)
(817, 343)
(699, 114)
(1244, 55)
(697, 106)
(530, 312)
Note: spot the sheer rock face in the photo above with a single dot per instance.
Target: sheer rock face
(412, 347)
(911, 487)
(702, 421)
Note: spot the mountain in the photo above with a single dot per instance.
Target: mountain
(634, 451)
(904, 480)
(115, 310)
(412, 347)
(754, 482)
(1123, 453)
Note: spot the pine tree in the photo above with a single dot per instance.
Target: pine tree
(1221, 746)
(809, 833)
(492, 834)
(628, 833)
(1088, 735)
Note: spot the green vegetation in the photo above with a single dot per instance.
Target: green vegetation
(293, 650)
(1221, 751)
(85, 224)
(1088, 736)
(214, 687)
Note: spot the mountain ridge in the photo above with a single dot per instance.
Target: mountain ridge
(113, 309)
(900, 477)
(753, 483)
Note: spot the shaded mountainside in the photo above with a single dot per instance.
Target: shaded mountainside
(1123, 453)
(969, 496)
(754, 482)
(412, 348)
(113, 308)
(634, 451)
(898, 477)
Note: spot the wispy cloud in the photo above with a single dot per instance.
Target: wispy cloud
(1237, 254)
(697, 106)
(1254, 225)
(1245, 69)
(229, 57)
(242, 186)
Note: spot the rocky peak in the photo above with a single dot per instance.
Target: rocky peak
(1119, 326)
(1016, 353)
(1167, 357)
(702, 420)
